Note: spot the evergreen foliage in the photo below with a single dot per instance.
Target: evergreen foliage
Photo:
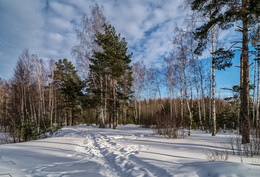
(70, 86)
(111, 62)
(225, 13)
(39, 98)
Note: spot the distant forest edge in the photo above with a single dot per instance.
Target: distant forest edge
(106, 88)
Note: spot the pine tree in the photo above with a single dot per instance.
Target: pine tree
(70, 86)
(113, 61)
(125, 93)
(225, 13)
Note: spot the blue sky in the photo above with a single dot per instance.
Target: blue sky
(47, 28)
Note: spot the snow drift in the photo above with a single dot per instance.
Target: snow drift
(126, 151)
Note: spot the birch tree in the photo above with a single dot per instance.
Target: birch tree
(139, 77)
(225, 13)
(83, 52)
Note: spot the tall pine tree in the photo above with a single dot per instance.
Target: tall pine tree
(70, 86)
(225, 13)
(113, 62)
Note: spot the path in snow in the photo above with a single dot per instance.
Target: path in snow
(118, 159)
(127, 151)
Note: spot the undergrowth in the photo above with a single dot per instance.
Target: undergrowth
(234, 147)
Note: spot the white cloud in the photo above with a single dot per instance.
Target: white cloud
(60, 24)
(48, 27)
(63, 10)
(146, 25)
(18, 21)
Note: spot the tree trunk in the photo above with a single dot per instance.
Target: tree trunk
(140, 100)
(22, 109)
(110, 119)
(258, 97)
(124, 113)
(101, 114)
(253, 121)
(39, 92)
(191, 95)
(214, 126)
(111, 95)
(241, 92)
(171, 106)
(245, 89)
(148, 94)
(198, 96)
(181, 77)
(51, 94)
(175, 107)
(135, 92)
(210, 96)
(55, 105)
(71, 117)
(170, 75)
(187, 101)
(158, 88)
(258, 76)
(140, 107)
(114, 104)
(124, 102)
(105, 106)
(202, 91)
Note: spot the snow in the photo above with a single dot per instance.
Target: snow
(126, 151)
(4, 137)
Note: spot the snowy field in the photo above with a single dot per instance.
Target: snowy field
(128, 151)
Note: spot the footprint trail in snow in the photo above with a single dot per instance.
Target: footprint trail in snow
(117, 159)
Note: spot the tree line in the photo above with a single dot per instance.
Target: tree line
(107, 88)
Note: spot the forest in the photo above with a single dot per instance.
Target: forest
(105, 87)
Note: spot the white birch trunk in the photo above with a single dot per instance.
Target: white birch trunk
(202, 91)
(254, 94)
(214, 130)
(187, 100)
(191, 95)
(181, 77)
(258, 98)
(198, 96)
(101, 115)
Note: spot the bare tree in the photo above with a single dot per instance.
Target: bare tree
(52, 103)
(197, 89)
(139, 77)
(87, 36)
(170, 73)
(84, 51)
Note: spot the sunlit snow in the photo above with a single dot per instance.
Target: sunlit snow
(126, 151)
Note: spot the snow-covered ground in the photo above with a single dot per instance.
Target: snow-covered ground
(127, 151)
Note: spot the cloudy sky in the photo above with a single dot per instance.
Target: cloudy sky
(47, 27)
